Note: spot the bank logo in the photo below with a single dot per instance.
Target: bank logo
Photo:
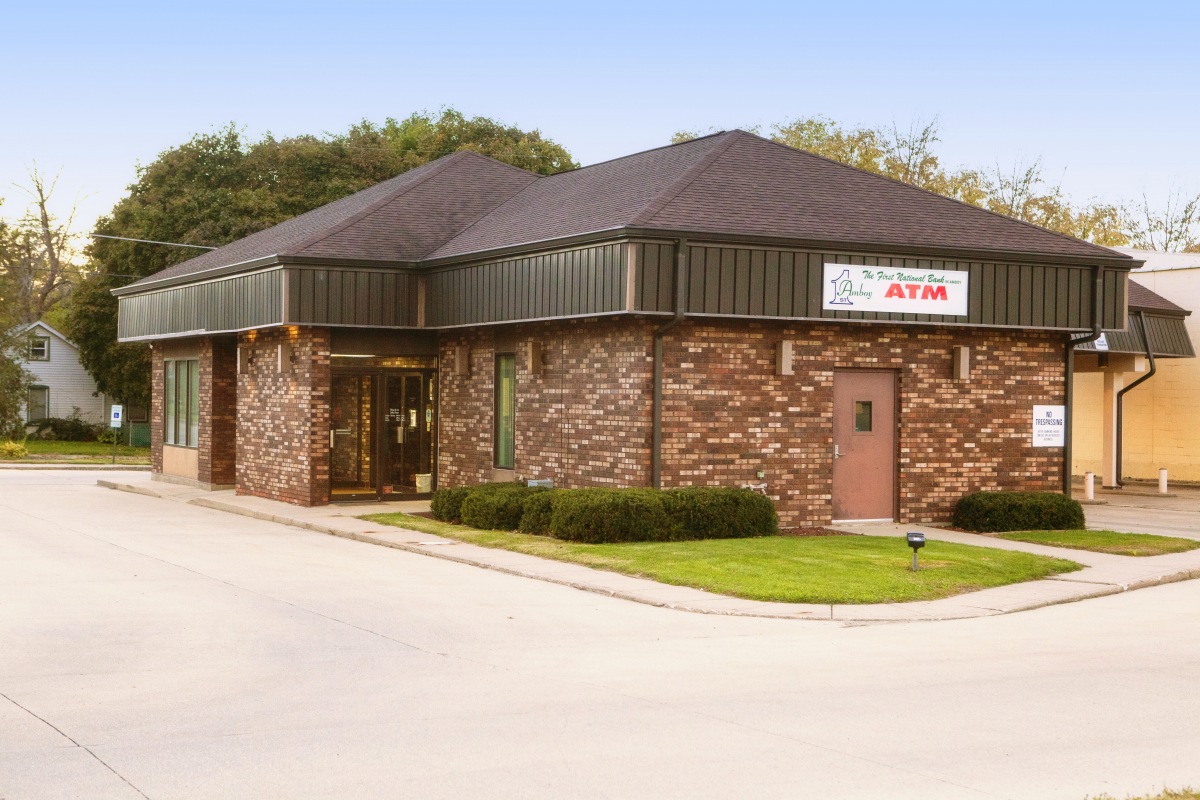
(842, 289)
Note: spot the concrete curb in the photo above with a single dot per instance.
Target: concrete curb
(423, 549)
(89, 467)
(988, 602)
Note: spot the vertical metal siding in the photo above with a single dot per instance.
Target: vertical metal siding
(757, 281)
(587, 280)
(231, 304)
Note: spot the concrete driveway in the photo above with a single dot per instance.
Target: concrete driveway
(152, 649)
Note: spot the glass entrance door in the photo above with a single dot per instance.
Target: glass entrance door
(383, 433)
(410, 422)
(351, 443)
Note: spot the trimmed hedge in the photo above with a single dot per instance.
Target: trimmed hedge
(499, 508)
(610, 515)
(720, 512)
(539, 508)
(997, 512)
(446, 504)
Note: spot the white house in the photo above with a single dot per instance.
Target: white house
(60, 383)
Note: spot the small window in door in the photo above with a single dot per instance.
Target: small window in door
(862, 416)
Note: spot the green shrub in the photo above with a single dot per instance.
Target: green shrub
(720, 512)
(995, 512)
(12, 450)
(67, 429)
(610, 515)
(539, 508)
(497, 507)
(446, 504)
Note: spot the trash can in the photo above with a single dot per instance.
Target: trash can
(424, 483)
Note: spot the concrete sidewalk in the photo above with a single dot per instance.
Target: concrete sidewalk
(1103, 574)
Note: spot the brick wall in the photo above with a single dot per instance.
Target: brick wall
(727, 414)
(583, 421)
(218, 410)
(283, 415)
(586, 420)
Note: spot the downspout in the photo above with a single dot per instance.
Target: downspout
(1072, 343)
(659, 333)
(1121, 394)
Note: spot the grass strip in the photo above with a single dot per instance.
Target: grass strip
(789, 569)
(1114, 542)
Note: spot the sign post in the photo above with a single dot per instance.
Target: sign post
(114, 423)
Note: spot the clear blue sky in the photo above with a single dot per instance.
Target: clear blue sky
(1106, 93)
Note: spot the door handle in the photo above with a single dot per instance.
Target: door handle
(837, 453)
(331, 437)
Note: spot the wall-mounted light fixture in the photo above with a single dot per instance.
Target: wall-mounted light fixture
(462, 360)
(961, 370)
(245, 358)
(533, 357)
(783, 358)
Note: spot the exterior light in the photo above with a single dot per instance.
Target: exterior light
(916, 541)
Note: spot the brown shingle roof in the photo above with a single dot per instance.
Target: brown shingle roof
(1142, 299)
(735, 183)
(731, 183)
(400, 219)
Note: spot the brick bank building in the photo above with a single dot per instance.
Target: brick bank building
(726, 311)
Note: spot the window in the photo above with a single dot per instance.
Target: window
(38, 405)
(39, 348)
(136, 412)
(862, 416)
(181, 409)
(506, 416)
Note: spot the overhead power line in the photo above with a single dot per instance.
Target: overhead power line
(150, 241)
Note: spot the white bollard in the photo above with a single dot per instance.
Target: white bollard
(1162, 481)
(1089, 486)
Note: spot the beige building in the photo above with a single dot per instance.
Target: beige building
(1161, 416)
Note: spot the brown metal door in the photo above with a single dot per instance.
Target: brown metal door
(864, 441)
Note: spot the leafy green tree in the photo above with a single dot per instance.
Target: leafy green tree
(220, 186)
(14, 380)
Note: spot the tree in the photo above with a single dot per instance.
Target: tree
(1174, 228)
(37, 266)
(220, 186)
(14, 380)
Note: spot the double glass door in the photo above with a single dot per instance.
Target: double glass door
(382, 436)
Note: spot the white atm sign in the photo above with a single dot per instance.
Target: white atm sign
(894, 290)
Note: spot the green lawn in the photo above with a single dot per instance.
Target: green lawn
(51, 451)
(1166, 794)
(1120, 544)
(818, 569)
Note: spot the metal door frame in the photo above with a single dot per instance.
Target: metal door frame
(379, 429)
(895, 374)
